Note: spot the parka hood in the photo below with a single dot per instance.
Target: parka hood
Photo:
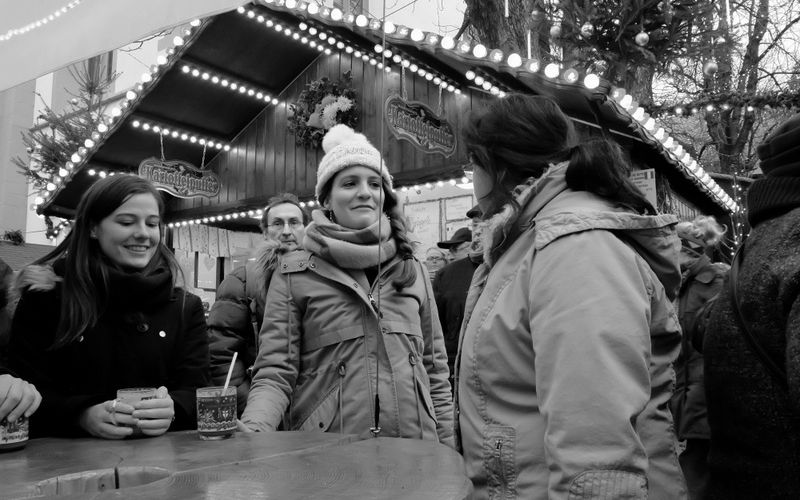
(558, 211)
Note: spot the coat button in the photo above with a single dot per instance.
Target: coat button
(412, 359)
(312, 265)
(342, 369)
(355, 285)
(142, 327)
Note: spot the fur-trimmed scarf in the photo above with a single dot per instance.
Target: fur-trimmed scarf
(500, 225)
(350, 248)
(504, 227)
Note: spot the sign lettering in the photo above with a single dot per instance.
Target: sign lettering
(179, 178)
(417, 123)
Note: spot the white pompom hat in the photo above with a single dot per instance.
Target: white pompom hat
(344, 147)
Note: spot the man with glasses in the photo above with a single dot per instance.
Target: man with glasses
(235, 318)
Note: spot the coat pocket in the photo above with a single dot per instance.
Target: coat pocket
(425, 396)
(323, 415)
(499, 461)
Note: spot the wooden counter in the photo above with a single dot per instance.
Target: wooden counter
(281, 465)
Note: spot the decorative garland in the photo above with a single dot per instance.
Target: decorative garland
(730, 100)
(320, 106)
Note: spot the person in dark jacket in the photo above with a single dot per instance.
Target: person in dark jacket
(754, 416)
(235, 318)
(102, 312)
(701, 280)
(450, 287)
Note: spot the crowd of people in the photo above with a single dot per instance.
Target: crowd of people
(567, 343)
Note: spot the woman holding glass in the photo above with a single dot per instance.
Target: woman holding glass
(102, 312)
(351, 340)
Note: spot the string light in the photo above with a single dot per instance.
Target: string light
(327, 42)
(233, 85)
(176, 133)
(109, 123)
(11, 33)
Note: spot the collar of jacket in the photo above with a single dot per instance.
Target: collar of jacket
(557, 211)
(305, 261)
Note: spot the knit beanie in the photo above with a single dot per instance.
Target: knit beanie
(344, 148)
(780, 151)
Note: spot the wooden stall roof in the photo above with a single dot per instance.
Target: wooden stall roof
(267, 61)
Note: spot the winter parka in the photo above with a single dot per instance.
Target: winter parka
(701, 282)
(235, 320)
(167, 345)
(330, 342)
(565, 368)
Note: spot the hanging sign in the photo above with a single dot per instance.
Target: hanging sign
(418, 124)
(179, 178)
(645, 180)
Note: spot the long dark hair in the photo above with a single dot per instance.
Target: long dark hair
(86, 284)
(519, 136)
(397, 220)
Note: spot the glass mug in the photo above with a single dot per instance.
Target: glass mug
(216, 412)
(13, 436)
(132, 395)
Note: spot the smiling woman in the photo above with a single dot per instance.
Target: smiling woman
(101, 312)
(350, 340)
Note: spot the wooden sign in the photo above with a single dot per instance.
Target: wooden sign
(179, 178)
(417, 123)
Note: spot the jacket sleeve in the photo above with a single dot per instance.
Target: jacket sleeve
(589, 317)
(189, 366)
(30, 358)
(435, 362)
(229, 325)
(278, 361)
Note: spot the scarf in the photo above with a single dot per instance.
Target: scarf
(350, 248)
(140, 290)
(772, 196)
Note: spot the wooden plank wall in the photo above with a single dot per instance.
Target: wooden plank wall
(264, 159)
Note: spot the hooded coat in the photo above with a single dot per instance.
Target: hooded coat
(235, 320)
(330, 341)
(166, 345)
(565, 359)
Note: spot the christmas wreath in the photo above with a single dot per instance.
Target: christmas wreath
(321, 105)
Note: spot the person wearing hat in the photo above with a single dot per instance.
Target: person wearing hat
(754, 399)
(350, 340)
(451, 284)
(459, 244)
(701, 280)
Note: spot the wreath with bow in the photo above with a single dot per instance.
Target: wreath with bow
(321, 105)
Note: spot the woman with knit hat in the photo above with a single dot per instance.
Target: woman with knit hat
(701, 281)
(351, 340)
(564, 373)
(752, 342)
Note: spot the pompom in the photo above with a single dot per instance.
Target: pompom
(339, 134)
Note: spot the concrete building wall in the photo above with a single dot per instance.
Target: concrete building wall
(15, 117)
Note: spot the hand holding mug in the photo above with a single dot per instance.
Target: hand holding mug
(108, 420)
(154, 416)
(17, 398)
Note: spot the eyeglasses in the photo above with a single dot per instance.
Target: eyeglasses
(434, 258)
(278, 225)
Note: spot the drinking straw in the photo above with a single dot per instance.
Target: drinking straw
(230, 371)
